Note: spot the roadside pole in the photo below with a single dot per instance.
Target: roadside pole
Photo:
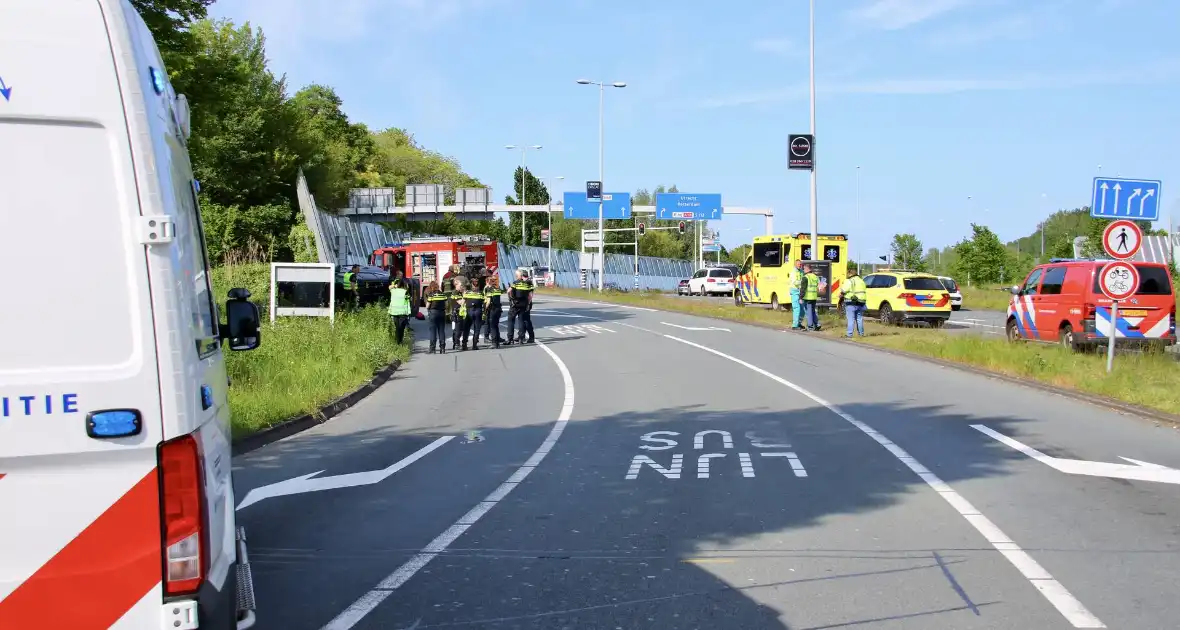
(1119, 280)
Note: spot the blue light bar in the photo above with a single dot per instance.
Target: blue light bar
(157, 80)
(113, 423)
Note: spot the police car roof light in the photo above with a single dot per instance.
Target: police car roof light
(114, 423)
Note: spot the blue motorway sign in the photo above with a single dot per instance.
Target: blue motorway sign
(614, 206)
(686, 206)
(710, 248)
(1117, 198)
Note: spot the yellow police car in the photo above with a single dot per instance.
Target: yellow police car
(897, 297)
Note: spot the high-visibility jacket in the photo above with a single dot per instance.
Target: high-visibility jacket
(473, 299)
(521, 290)
(493, 294)
(811, 288)
(437, 301)
(399, 302)
(349, 280)
(795, 280)
(855, 290)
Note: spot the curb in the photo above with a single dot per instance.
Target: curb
(298, 424)
(1073, 394)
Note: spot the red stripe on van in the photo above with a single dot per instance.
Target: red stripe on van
(99, 575)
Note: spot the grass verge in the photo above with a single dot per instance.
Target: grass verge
(303, 363)
(986, 297)
(1146, 379)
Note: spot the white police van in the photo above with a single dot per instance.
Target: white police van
(116, 493)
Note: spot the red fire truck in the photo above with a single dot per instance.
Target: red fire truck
(427, 259)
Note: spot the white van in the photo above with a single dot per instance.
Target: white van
(116, 494)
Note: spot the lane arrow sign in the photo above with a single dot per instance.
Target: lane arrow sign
(5, 91)
(310, 483)
(1136, 470)
(695, 327)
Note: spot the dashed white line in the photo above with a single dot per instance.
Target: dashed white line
(1053, 591)
(367, 602)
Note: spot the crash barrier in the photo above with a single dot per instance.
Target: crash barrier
(662, 274)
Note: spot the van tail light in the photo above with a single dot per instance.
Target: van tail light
(1172, 320)
(1089, 310)
(945, 298)
(906, 296)
(182, 500)
(711, 280)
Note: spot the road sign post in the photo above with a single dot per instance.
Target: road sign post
(1118, 280)
(1117, 198)
(1122, 239)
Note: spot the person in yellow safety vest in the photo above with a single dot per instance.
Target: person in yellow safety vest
(473, 300)
(458, 310)
(810, 297)
(399, 309)
(351, 285)
(795, 282)
(855, 294)
(436, 317)
(492, 310)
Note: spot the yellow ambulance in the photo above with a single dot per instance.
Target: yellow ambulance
(764, 277)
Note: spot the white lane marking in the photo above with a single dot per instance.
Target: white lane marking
(1054, 592)
(796, 465)
(367, 602)
(694, 327)
(637, 308)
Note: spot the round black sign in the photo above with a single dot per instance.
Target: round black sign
(800, 147)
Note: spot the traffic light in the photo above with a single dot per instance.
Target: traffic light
(642, 229)
(680, 227)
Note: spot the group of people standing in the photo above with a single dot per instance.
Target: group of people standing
(804, 283)
(474, 306)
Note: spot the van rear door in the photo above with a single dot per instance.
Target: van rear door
(80, 536)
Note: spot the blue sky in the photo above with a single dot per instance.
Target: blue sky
(994, 111)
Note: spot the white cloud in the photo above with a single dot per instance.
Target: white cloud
(892, 15)
(1153, 73)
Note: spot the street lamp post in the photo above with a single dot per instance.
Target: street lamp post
(601, 234)
(857, 225)
(550, 215)
(814, 195)
(524, 189)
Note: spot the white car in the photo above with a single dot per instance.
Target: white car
(952, 287)
(711, 281)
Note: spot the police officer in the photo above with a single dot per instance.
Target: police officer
(520, 301)
(855, 294)
(399, 309)
(492, 310)
(458, 310)
(810, 291)
(436, 316)
(473, 300)
(351, 286)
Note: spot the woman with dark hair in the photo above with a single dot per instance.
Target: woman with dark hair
(436, 316)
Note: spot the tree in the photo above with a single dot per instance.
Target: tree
(336, 154)
(168, 21)
(534, 193)
(982, 258)
(907, 250)
(738, 254)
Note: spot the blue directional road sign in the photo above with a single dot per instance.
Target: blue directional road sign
(710, 248)
(1117, 198)
(614, 206)
(686, 206)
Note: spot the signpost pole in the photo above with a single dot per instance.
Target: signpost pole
(1114, 317)
(601, 234)
(814, 196)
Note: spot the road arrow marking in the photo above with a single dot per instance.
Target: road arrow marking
(1137, 470)
(694, 327)
(304, 483)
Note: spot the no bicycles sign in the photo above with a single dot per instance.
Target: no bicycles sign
(1119, 280)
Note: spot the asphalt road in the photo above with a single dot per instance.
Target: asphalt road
(639, 469)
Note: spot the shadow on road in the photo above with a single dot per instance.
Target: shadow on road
(578, 544)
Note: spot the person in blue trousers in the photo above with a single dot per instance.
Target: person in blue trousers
(854, 303)
(795, 281)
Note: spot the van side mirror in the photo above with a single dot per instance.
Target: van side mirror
(243, 321)
(1014, 289)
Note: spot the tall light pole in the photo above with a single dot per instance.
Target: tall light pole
(524, 188)
(550, 215)
(857, 225)
(814, 196)
(601, 233)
